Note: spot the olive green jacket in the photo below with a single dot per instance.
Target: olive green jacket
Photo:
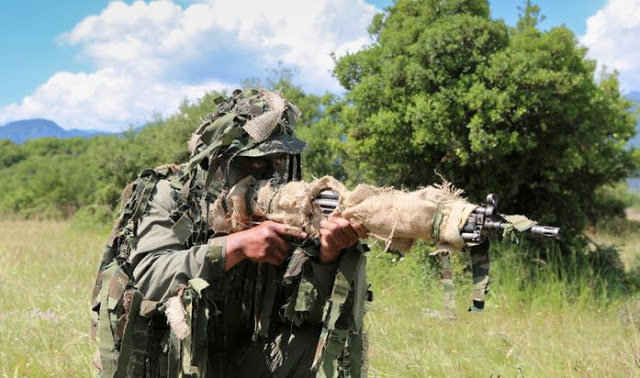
(162, 265)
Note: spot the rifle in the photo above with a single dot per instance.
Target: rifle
(483, 221)
(437, 214)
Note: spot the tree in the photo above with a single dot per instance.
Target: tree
(10, 153)
(446, 90)
(50, 180)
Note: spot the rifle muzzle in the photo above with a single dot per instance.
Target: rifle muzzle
(546, 231)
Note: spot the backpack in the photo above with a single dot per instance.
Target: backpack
(120, 316)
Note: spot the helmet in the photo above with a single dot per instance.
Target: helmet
(250, 123)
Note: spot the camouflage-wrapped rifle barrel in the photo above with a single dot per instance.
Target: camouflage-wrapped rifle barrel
(435, 213)
(483, 221)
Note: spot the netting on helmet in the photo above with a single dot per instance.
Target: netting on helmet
(249, 123)
(253, 122)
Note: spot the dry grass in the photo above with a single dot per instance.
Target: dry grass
(47, 271)
(627, 243)
(633, 214)
(517, 336)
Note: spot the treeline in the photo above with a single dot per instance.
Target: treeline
(444, 91)
(50, 178)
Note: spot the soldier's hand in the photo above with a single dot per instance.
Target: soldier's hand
(336, 234)
(264, 243)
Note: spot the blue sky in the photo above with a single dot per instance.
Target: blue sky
(100, 64)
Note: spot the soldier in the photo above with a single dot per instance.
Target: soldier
(193, 300)
(199, 279)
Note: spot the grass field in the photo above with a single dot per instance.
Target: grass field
(550, 329)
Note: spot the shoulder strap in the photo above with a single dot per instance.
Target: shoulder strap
(480, 270)
(114, 282)
(339, 324)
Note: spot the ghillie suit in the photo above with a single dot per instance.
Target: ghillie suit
(163, 304)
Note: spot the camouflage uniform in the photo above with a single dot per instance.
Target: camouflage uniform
(161, 266)
(164, 305)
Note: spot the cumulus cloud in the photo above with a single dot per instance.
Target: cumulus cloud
(150, 56)
(612, 37)
(108, 99)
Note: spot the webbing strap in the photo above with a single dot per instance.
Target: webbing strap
(186, 344)
(360, 294)
(137, 361)
(127, 346)
(290, 169)
(331, 340)
(330, 363)
(141, 206)
(174, 356)
(447, 283)
(298, 174)
(435, 227)
(338, 297)
(480, 270)
(264, 320)
(195, 353)
(257, 308)
(356, 351)
(108, 351)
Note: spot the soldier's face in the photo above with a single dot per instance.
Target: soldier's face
(261, 168)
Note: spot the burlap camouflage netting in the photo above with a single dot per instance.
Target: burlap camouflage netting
(434, 213)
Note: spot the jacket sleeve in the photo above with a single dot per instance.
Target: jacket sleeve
(160, 263)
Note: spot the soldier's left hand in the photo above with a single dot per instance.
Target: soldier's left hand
(336, 234)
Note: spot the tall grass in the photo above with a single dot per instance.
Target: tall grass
(542, 319)
(537, 323)
(46, 274)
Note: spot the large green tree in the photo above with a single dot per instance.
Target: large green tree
(447, 90)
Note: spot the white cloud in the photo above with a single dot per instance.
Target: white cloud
(108, 99)
(613, 39)
(149, 56)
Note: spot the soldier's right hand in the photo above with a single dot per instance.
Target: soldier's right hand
(265, 243)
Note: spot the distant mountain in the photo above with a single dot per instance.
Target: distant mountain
(21, 131)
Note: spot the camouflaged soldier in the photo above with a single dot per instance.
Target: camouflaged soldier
(177, 297)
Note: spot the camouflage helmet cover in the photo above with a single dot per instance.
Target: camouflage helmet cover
(253, 122)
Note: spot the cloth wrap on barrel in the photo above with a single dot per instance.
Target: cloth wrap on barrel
(434, 213)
